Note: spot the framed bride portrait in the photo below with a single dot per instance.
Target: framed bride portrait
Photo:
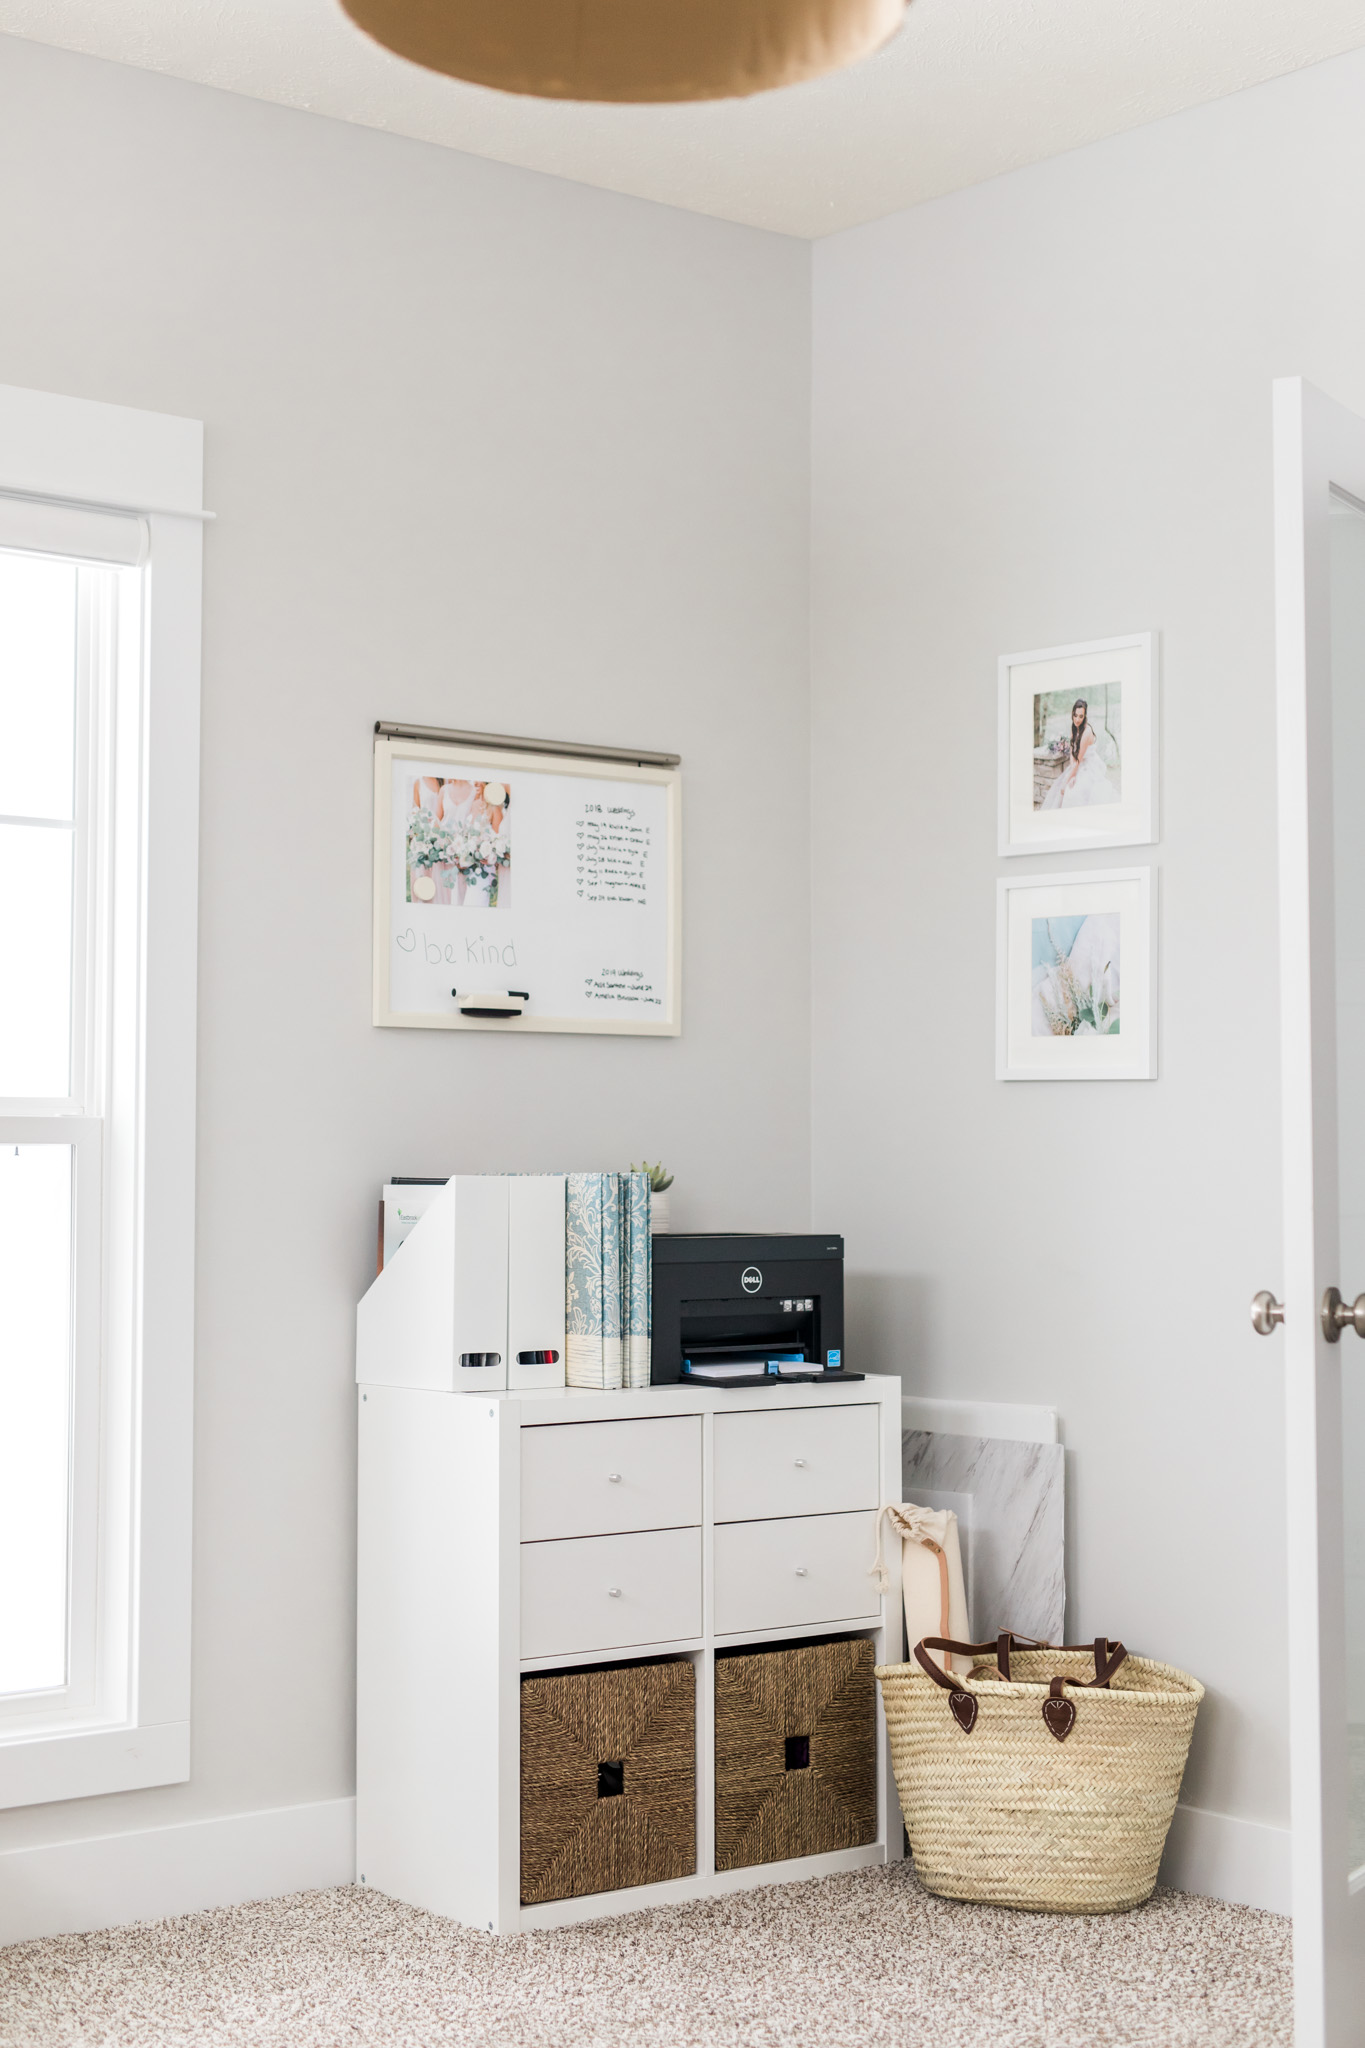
(1076, 976)
(1078, 746)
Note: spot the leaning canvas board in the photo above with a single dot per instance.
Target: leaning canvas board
(553, 875)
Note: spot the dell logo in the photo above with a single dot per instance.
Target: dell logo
(751, 1279)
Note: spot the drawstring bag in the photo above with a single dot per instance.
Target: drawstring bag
(932, 1585)
(1041, 1778)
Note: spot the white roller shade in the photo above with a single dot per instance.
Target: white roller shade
(45, 529)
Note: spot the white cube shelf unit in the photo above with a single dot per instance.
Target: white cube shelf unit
(508, 1533)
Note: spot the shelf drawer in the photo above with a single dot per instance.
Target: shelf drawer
(610, 1592)
(796, 1461)
(769, 1805)
(787, 1574)
(575, 1840)
(598, 1478)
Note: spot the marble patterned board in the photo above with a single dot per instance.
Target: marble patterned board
(1009, 1499)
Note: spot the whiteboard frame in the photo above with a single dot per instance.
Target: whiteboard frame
(511, 763)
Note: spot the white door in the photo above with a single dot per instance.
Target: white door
(1320, 655)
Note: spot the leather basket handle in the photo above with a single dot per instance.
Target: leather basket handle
(947, 1679)
(1108, 1656)
(1059, 1713)
(1007, 1641)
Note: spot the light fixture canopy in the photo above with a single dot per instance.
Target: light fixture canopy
(631, 50)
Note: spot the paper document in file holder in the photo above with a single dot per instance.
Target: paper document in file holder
(473, 1300)
(402, 1205)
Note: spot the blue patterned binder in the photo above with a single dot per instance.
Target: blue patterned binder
(583, 1280)
(608, 1277)
(639, 1280)
(612, 1370)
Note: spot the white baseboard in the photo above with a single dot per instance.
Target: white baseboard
(154, 1873)
(1243, 1861)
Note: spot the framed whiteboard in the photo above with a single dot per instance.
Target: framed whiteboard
(555, 875)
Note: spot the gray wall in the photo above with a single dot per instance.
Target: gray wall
(487, 449)
(492, 449)
(1042, 414)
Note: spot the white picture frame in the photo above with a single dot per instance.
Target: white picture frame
(1111, 797)
(1113, 908)
(620, 1012)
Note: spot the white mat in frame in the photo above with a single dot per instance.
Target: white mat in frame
(1115, 793)
(1076, 976)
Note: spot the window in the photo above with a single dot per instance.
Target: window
(59, 654)
(99, 597)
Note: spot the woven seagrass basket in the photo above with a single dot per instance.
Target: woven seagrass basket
(796, 1752)
(1043, 1778)
(608, 1778)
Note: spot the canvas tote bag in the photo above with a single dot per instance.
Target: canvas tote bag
(932, 1584)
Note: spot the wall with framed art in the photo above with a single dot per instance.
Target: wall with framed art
(1063, 451)
(1076, 975)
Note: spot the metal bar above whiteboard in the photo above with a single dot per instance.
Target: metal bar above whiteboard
(443, 736)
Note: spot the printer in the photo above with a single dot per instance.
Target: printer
(738, 1310)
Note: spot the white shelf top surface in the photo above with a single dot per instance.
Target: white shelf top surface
(566, 1404)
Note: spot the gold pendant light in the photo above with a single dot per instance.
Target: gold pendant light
(633, 50)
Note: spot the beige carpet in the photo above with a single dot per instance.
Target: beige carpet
(868, 1961)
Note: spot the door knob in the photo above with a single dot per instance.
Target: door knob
(1339, 1315)
(1265, 1312)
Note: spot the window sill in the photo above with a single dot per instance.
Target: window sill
(89, 1761)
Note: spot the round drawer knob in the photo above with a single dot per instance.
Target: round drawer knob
(801, 1572)
(800, 1464)
(614, 1592)
(615, 1478)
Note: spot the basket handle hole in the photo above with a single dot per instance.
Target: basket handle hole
(611, 1780)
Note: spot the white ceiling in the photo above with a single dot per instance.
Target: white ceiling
(969, 88)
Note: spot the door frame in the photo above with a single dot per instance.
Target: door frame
(1317, 445)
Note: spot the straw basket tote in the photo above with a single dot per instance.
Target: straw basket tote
(1019, 1792)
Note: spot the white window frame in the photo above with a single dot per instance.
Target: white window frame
(128, 1725)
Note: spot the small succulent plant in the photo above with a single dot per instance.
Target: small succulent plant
(658, 1179)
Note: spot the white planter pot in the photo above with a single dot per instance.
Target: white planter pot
(658, 1214)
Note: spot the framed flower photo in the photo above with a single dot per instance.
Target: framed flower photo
(1078, 746)
(1076, 977)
